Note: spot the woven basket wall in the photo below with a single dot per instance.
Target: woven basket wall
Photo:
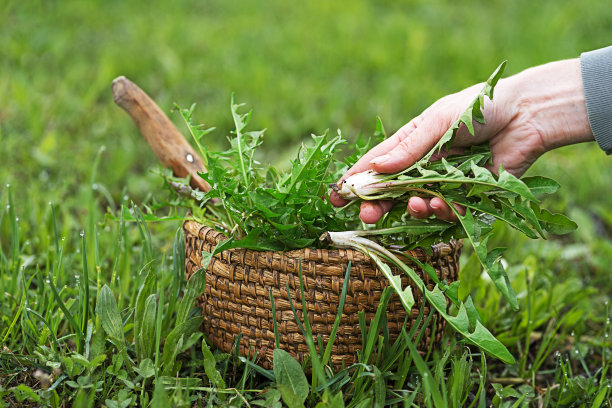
(237, 295)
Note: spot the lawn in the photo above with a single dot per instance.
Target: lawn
(74, 160)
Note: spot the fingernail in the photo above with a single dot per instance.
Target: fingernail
(413, 209)
(380, 159)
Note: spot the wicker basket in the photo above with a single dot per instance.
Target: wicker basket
(238, 281)
(237, 295)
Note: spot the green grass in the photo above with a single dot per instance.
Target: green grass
(303, 68)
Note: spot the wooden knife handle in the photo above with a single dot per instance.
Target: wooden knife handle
(163, 137)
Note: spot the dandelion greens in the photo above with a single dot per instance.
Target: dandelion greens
(262, 208)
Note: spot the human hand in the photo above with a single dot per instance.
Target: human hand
(534, 111)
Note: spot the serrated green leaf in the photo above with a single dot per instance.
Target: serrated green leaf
(480, 336)
(405, 294)
(472, 112)
(541, 185)
(380, 129)
(557, 224)
(469, 276)
(505, 214)
(490, 261)
(515, 185)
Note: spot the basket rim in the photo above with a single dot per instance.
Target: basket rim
(328, 256)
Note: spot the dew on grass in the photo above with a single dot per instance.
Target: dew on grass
(82, 233)
(16, 219)
(7, 185)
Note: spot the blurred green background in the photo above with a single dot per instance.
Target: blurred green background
(302, 66)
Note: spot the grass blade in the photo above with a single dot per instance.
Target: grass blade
(60, 302)
(85, 280)
(332, 336)
(274, 323)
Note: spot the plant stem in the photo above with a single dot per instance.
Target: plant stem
(239, 135)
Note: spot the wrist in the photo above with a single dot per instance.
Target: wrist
(550, 98)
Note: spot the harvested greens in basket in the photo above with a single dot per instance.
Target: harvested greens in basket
(261, 208)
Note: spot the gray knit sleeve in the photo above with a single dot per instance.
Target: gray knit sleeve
(596, 67)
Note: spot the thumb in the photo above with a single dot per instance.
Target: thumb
(414, 144)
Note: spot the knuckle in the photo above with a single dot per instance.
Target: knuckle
(407, 151)
(409, 127)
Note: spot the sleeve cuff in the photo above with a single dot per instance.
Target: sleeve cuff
(596, 68)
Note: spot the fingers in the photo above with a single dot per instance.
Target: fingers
(401, 150)
(424, 208)
(363, 164)
(414, 144)
(442, 211)
(382, 148)
(418, 207)
(372, 211)
(336, 200)
(445, 153)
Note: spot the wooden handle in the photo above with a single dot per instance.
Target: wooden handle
(167, 142)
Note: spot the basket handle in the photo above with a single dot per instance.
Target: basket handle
(163, 137)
